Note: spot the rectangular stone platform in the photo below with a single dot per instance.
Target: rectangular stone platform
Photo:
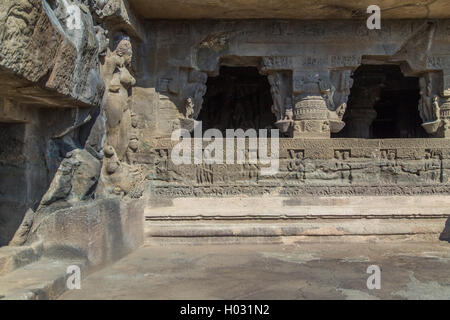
(307, 216)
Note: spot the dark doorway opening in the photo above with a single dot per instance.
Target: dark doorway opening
(238, 98)
(13, 181)
(383, 104)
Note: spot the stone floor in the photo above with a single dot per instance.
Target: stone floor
(291, 270)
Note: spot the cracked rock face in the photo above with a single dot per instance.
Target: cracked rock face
(287, 9)
(50, 45)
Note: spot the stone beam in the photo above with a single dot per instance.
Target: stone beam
(282, 9)
(11, 112)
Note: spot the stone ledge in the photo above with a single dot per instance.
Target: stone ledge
(347, 227)
(272, 207)
(300, 9)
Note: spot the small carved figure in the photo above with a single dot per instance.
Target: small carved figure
(340, 111)
(134, 143)
(436, 108)
(288, 110)
(325, 126)
(189, 112)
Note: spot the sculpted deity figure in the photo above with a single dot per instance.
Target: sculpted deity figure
(340, 111)
(119, 82)
(275, 90)
(436, 108)
(429, 104)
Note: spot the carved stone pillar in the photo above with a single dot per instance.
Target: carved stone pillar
(359, 118)
(444, 130)
(310, 111)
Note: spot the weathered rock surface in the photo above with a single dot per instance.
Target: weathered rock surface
(49, 45)
(93, 90)
(53, 126)
(287, 9)
(75, 179)
(100, 231)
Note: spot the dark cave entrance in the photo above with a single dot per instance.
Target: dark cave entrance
(13, 183)
(383, 104)
(238, 98)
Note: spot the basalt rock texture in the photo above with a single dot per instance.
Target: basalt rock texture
(50, 45)
(94, 89)
(62, 102)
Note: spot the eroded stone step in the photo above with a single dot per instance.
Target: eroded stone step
(307, 216)
(279, 208)
(41, 280)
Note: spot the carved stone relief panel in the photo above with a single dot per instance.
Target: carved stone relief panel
(314, 165)
(432, 106)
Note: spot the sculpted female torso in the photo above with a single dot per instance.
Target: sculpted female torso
(119, 82)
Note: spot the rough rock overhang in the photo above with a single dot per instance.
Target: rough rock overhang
(289, 9)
